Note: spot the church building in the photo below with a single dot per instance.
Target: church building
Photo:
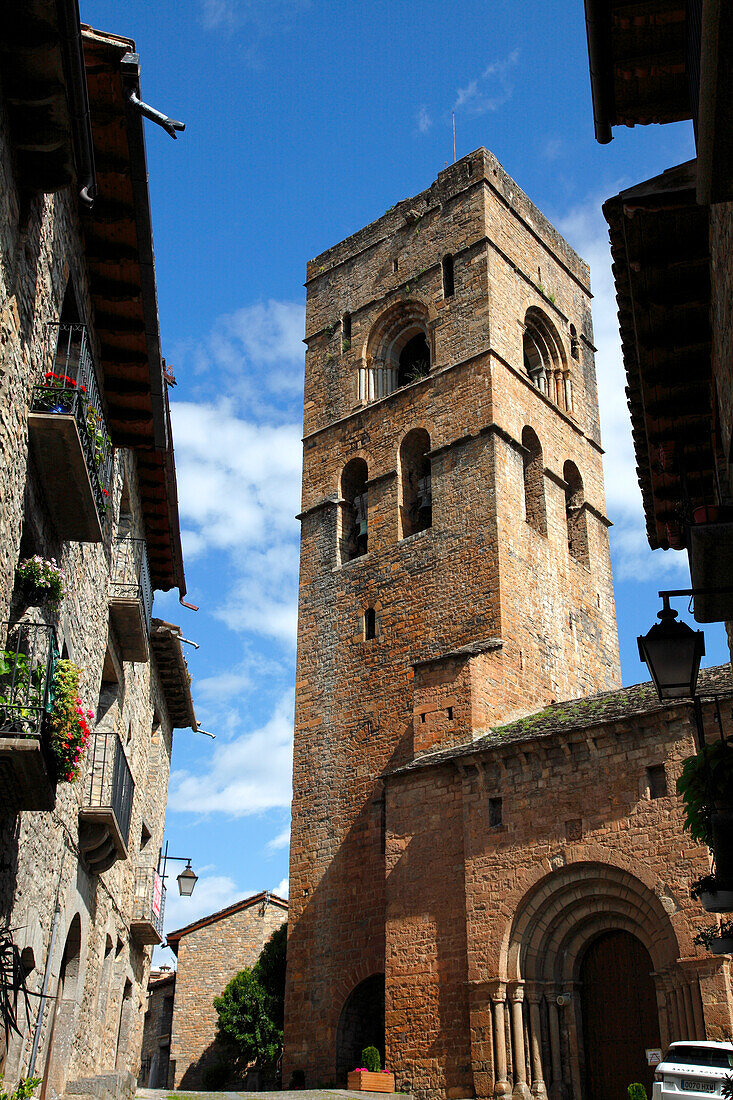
(489, 878)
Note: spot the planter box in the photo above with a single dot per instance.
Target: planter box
(722, 945)
(362, 1081)
(717, 901)
(711, 566)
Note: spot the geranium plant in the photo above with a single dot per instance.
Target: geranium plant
(43, 578)
(706, 783)
(708, 936)
(69, 721)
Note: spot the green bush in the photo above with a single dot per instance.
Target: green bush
(245, 1027)
(637, 1092)
(214, 1077)
(371, 1060)
(22, 1091)
(269, 970)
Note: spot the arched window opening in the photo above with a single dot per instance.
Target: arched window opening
(575, 514)
(346, 332)
(397, 353)
(370, 624)
(414, 360)
(354, 512)
(544, 358)
(534, 482)
(448, 279)
(574, 348)
(416, 509)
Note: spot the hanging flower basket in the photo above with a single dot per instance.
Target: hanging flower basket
(69, 722)
(722, 945)
(42, 582)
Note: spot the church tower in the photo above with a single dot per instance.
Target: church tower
(455, 568)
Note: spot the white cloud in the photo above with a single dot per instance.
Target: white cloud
(247, 775)
(211, 893)
(489, 91)
(552, 148)
(265, 16)
(282, 889)
(282, 840)
(585, 229)
(424, 121)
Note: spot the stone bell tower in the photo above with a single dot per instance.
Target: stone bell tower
(455, 568)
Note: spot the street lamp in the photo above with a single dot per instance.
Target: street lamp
(187, 878)
(672, 653)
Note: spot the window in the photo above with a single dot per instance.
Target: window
(370, 624)
(574, 347)
(534, 482)
(354, 525)
(575, 514)
(544, 358)
(346, 332)
(416, 492)
(395, 265)
(495, 812)
(448, 280)
(398, 352)
(656, 781)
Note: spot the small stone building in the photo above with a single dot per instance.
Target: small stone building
(156, 1044)
(87, 477)
(489, 877)
(210, 951)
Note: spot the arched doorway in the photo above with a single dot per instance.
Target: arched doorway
(619, 1014)
(361, 1024)
(62, 1027)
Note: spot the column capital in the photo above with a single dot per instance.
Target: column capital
(497, 989)
(516, 991)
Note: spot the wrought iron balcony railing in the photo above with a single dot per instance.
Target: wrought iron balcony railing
(148, 908)
(70, 387)
(131, 575)
(105, 814)
(27, 764)
(26, 675)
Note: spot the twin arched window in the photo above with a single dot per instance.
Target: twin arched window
(354, 538)
(544, 358)
(398, 352)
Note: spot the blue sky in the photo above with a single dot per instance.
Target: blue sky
(306, 119)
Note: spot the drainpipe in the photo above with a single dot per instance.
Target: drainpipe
(44, 991)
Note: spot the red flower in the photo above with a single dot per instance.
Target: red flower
(83, 389)
(105, 492)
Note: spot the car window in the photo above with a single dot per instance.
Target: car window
(701, 1056)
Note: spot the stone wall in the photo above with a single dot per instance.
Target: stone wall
(209, 955)
(578, 824)
(479, 572)
(94, 1025)
(155, 1049)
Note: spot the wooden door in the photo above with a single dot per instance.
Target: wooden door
(620, 1021)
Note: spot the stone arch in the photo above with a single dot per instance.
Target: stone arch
(577, 526)
(544, 357)
(354, 518)
(398, 351)
(535, 512)
(64, 1017)
(360, 1024)
(552, 926)
(416, 493)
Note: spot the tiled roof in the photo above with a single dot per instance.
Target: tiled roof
(576, 714)
(174, 938)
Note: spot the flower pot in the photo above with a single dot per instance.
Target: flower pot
(362, 1080)
(717, 901)
(722, 945)
(707, 513)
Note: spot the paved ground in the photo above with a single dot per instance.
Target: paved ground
(299, 1094)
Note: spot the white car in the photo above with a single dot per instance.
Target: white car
(693, 1068)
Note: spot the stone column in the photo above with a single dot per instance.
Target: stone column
(689, 1014)
(556, 1088)
(501, 1083)
(534, 996)
(516, 998)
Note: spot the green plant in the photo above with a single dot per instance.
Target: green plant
(69, 729)
(420, 369)
(370, 1058)
(329, 330)
(637, 1092)
(346, 345)
(13, 989)
(726, 1088)
(270, 973)
(42, 577)
(708, 884)
(706, 936)
(21, 690)
(23, 1090)
(705, 781)
(245, 1027)
(101, 442)
(551, 295)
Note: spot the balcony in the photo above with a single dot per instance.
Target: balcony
(131, 598)
(148, 908)
(104, 818)
(69, 439)
(27, 766)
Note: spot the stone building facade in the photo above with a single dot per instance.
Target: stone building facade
(210, 951)
(156, 1044)
(88, 478)
(455, 578)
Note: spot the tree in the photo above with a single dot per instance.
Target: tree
(270, 972)
(245, 1026)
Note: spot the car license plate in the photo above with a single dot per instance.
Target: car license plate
(697, 1084)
